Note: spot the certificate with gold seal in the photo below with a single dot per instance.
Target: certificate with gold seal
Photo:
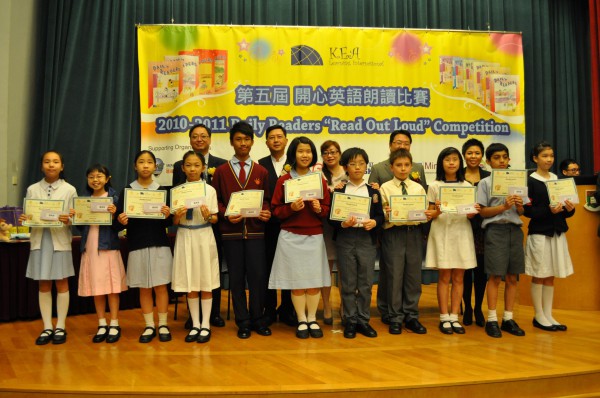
(91, 210)
(246, 203)
(307, 187)
(561, 190)
(144, 203)
(503, 179)
(402, 205)
(344, 206)
(189, 195)
(43, 212)
(453, 196)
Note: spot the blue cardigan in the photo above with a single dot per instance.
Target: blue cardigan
(108, 238)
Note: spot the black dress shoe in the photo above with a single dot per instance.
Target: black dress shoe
(164, 333)
(385, 319)
(511, 327)
(315, 332)
(59, 338)
(446, 329)
(415, 326)
(350, 331)
(457, 327)
(45, 337)
(192, 335)
(468, 317)
(492, 329)
(100, 337)
(479, 318)
(203, 338)
(395, 328)
(263, 331)
(302, 333)
(244, 333)
(113, 338)
(551, 328)
(560, 327)
(366, 330)
(146, 338)
(217, 321)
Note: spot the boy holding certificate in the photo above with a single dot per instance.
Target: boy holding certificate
(504, 255)
(243, 230)
(402, 248)
(355, 239)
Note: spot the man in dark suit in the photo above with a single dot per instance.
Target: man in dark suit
(200, 139)
(276, 142)
(380, 173)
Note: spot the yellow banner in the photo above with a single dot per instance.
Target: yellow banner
(351, 85)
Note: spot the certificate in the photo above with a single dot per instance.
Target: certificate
(307, 187)
(561, 190)
(144, 203)
(503, 179)
(189, 195)
(92, 211)
(43, 213)
(246, 203)
(344, 206)
(401, 205)
(451, 197)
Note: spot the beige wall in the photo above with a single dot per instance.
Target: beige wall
(18, 32)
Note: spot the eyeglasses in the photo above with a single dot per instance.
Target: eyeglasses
(96, 177)
(275, 137)
(202, 137)
(330, 153)
(574, 170)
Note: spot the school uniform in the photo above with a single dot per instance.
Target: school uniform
(356, 254)
(402, 251)
(243, 242)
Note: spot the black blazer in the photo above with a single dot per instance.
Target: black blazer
(376, 213)
(179, 175)
(267, 163)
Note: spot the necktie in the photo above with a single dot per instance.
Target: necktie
(404, 191)
(189, 214)
(242, 176)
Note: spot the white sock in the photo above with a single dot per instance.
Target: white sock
(62, 308)
(536, 298)
(547, 299)
(206, 307)
(113, 332)
(194, 307)
(445, 318)
(508, 315)
(453, 318)
(149, 319)
(312, 303)
(45, 301)
(162, 318)
(299, 303)
(101, 322)
(492, 316)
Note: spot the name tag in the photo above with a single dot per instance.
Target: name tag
(248, 212)
(49, 215)
(195, 202)
(466, 209)
(96, 207)
(360, 217)
(417, 215)
(519, 191)
(152, 207)
(310, 194)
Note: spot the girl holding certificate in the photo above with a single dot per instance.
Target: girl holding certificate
(50, 258)
(149, 265)
(450, 247)
(102, 272)
(336, 177)
(196, 259)
(546, 252)
(300, 262)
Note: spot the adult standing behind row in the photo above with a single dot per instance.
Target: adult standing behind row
(200, 139)
(276, 137)
(381, 173)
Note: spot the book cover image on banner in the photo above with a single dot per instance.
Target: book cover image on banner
(351, 85)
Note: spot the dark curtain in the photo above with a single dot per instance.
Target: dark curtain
(595, 77)
(88, 97)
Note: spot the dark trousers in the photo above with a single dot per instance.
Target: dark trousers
(478, 279)
(246, 264)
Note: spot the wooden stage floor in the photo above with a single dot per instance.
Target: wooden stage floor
(541, 364)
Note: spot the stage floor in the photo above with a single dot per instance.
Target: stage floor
(543, 364)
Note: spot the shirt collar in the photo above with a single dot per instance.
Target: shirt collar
(235, 160)
(54, 186)
(136, 185)
(398, 183)
(356, 186)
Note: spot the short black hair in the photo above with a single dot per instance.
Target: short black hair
(396, 132)
(351, 154)
(61, 175)
(440, 174)
(195, 126)
(275, 127)
(100, 168)
(140, 153)
(200, 156)
(472, 142)
(495, 147)
(400, 153)
(241, 127)
(291, 152)
(538, 148)
(564, 165)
